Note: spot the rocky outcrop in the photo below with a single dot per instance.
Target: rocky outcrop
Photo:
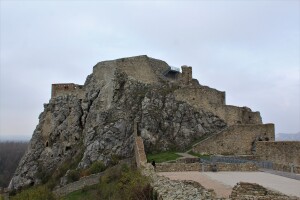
(97, 124)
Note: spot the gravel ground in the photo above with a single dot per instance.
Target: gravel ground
(223, 182)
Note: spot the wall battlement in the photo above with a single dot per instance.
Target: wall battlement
(60, 89)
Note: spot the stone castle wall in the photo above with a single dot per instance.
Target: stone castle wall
(60, 89)
(138, 68)
(287, 152)
(77, 185)
(212, 100)
(181, 167)
(236, 140)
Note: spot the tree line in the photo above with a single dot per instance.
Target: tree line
(11, 153)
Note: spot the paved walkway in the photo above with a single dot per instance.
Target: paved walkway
(223, 182)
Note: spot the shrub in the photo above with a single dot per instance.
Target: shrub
(96, 167)
(73, 175)
(123, 182)
(35, 193)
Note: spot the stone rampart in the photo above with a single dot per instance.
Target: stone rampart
(236, 140)
(60, 89)
(138, 68)
(212, 100)
(201, 97)
(286, 152)
(181, 167)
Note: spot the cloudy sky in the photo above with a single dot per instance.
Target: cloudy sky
(250, 49)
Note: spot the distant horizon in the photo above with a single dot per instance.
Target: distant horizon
(21, 137)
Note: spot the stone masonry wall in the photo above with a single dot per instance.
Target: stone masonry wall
(186, 75)
(71, 187)
(254, 191)
(181, 167)
(140, 155)
(139, 68)
(236, 140)
(279, 152)
(212, 100)
(60, 89)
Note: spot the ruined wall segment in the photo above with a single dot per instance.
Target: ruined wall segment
(186, 75)
(138, 68)
(285, 152)
(60, 89)
(236, 140)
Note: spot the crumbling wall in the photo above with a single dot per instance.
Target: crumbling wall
(186, 76)
(201, 97)
(138, 68)
(287, 152)
(254, 191)
(60, 89)
(139, 149)
(236, 140)
(212, 100)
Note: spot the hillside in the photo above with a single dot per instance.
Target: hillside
(83, 124)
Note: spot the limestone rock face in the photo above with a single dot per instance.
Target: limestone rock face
(96, 121)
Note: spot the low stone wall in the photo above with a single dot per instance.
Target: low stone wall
(71, 187)
(254, 191)
(177, 167)
(279, 152)
(180, 167)
(286, 168)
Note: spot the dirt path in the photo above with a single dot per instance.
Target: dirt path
(220, 189)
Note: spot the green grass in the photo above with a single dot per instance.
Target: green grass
(87, 193)
(203, 156)
(162, 156)
(1, 197)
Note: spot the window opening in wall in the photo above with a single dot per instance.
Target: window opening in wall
(68, 148)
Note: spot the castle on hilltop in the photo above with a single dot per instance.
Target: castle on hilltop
(245, 134)
(96, 121)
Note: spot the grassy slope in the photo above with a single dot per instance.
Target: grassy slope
(87, 193)
(162, 156)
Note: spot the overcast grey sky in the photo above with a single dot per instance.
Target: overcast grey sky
(250, 49)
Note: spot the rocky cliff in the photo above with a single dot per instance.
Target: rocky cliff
(95, 121)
